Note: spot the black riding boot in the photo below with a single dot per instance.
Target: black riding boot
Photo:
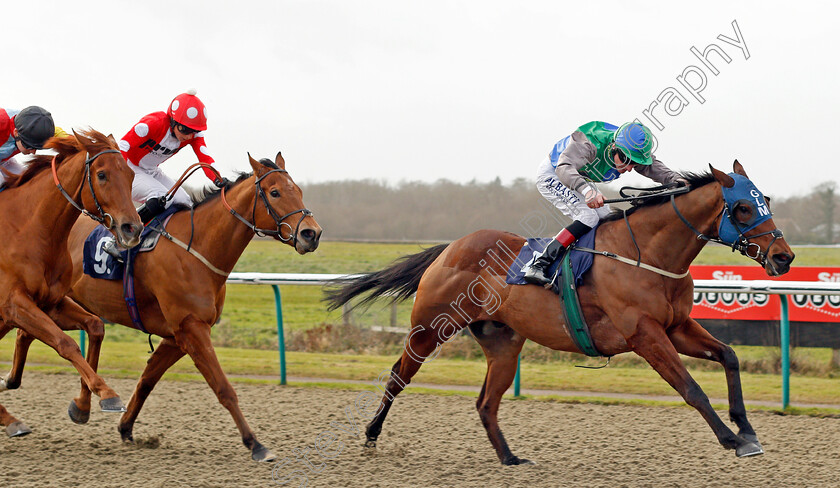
(537, 272)
(151, 209)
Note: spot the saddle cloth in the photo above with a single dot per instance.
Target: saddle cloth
(99, 264)
(581, 261)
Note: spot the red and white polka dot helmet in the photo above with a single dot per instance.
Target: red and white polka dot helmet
(187, 110)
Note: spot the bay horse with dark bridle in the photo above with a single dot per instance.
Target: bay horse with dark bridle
(179, 296)
(627, 308)
(37, 210)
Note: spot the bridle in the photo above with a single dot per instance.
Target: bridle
(742, 243)
(103, 215)
(279, 220)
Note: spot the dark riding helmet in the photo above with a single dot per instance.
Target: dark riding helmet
(34, 125)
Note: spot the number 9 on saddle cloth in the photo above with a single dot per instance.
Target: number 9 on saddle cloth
(99, 264)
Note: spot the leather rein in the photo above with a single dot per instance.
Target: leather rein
(742, 244)
(278, 220)
(103, 215)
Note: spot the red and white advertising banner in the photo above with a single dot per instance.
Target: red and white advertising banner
(745, 306)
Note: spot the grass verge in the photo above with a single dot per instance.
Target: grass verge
(128, 359)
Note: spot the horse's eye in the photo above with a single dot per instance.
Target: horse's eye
(275, 193)
(743, 211)
(101, 175)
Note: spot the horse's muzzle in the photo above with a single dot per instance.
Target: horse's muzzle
(128, 234)
(307, 240)
(779, 263)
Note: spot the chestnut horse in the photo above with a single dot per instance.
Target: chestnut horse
(179, 297)
(35, 265)
(627, 308)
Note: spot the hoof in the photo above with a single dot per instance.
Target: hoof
(262, 454)
(17, 429)
(370, 443)
(515, 461)
(126, 435)
(3, 386)
(113, 405)
(752, 438)
(748, 449)
(77, 415)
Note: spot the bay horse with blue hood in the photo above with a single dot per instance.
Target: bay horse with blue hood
(628, 308)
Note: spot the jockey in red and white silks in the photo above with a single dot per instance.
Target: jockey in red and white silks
(156, 138)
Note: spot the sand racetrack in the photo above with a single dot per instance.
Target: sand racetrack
(185, 438)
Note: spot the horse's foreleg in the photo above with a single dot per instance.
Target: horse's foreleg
(501, 345)
(691, 339)
(68, 315)
(13, 379)
(193, 336)
(14, 427)
(5, 328)
(28, 317)
(166, 354)
(650, 342)
(420, 344)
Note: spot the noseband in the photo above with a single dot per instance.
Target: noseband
(279, 220)
(742, 243)
(103, 215)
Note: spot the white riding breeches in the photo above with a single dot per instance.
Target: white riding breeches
(152, 183)
(11, 166)
(570, 202)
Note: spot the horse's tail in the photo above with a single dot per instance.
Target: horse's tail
(400, 280)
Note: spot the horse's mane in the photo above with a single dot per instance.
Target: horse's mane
(208, 194)
(65, 147)
(695, 181)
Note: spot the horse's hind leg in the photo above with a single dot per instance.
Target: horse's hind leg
(501, 345)
(421, 342)
(650, 342)
(691, 339)
(166, 354)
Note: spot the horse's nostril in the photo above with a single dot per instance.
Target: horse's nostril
(307, 234)
(782, 259)
(130, 230)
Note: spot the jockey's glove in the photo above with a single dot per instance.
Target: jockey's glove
(156, 205)
(222, 182)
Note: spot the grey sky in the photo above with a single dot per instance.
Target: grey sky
(439, 89)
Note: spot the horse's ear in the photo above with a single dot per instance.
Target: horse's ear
(739, 170)
(83, 140)
(255, 165)
(279, 161)
(112, 139)
(722, 178)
